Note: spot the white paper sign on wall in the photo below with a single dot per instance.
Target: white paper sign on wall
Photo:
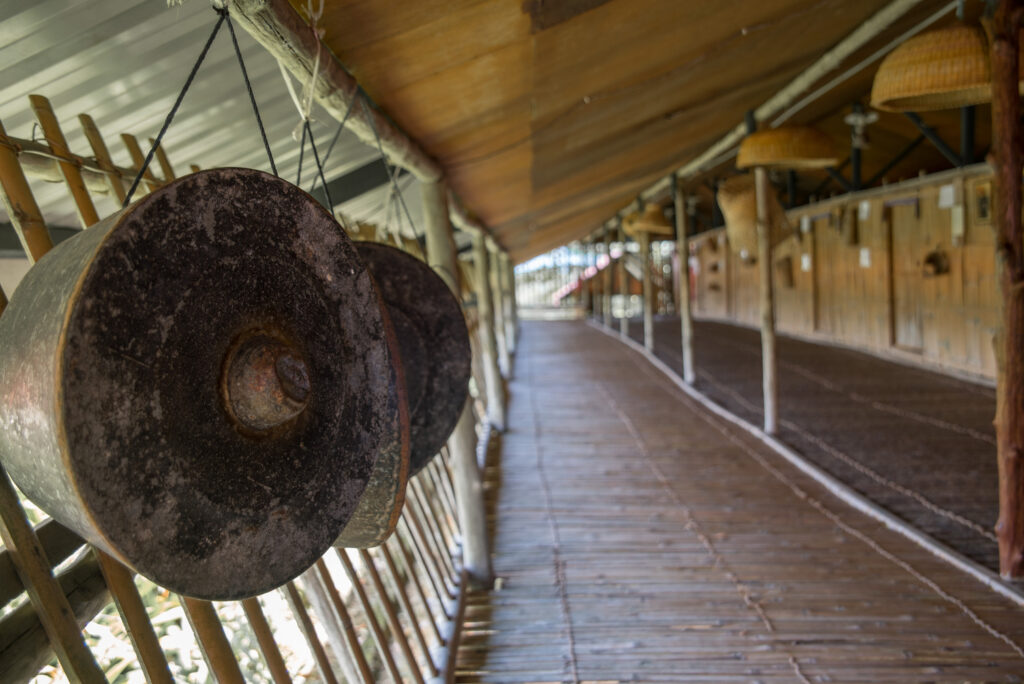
(805, 224)
(865, 257)
(864, 210)
(805, 263)
(947, 196)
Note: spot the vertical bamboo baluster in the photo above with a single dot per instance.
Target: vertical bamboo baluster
(424, 549)
(138, 159)
(445, 478)
(72, 174)
(291, 592)
(165, 164)
(379, 640)
(133, 614)
(389, 560)
(214, 645)
(265, 639)
(45, 592)
(20, 204)
(407, 559)
(102, 154)
(427, 515)
(392, 615)
(354, 647)
(447, 516)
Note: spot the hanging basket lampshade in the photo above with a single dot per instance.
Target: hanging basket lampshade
(788, 147)
(941, 69)
(652, 221)
(738, 201)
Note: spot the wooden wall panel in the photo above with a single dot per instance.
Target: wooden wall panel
(865, 282)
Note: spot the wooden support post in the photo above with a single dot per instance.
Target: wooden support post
(586, 300)
(438, 233)
(623, 285)
(72, 175)
(606, 279)
(511, 322)
(683, 301)
(462, 443)
(764, 264)
(488, 342)
(1006, 150)
(648, 290)
(469, 497)
(498, 306)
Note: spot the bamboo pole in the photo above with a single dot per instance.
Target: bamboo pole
(59, 146)
(376, 633)
(99, 149)
(437, 230)
(488, 343)
(394, 624)
(683, 303)
(213, 644)
(1006, 150)
(340, 610)
(265, 639)
(138, 159)
(498, 306)
(20, 204)
(764, 264)
(508, 275)
(323, 665)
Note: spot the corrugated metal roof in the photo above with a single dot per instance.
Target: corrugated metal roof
(124, 62)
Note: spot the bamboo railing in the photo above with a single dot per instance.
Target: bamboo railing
(388, 613)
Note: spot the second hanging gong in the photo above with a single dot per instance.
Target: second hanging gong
(433, 343)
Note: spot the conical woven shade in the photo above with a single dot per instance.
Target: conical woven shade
(788, 147)
(651, 221)
(941, 69)
(738, 201)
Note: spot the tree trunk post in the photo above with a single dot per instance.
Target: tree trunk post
(1006, 152)
(623, 285)
(488, 342)
(764, 263)
(498, 305)
(511, 323)
(606, 279)
(648, 290)
(462, 444)
(683, 301)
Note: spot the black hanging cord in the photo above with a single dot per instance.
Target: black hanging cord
(319, 167)
(391, 175)
(248, 86)
(174, 110)
(302, 151)
(330, 148)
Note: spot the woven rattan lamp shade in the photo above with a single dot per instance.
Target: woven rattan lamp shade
(941, 69)
(787, 147)
(651, 221)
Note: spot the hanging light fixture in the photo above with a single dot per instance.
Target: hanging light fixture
(788, 147)
(941, 69)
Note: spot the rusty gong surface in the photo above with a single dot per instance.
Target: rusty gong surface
(433, 343)
(201, 384)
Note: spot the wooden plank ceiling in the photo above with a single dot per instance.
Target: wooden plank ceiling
(549, 116)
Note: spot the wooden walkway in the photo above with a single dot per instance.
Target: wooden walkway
(918, 443)
(640, 539)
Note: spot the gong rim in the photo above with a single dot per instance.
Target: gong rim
(412, 291)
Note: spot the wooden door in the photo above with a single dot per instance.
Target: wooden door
(907, 256)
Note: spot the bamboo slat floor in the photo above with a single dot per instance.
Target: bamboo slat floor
(918, 443)
(639, 538)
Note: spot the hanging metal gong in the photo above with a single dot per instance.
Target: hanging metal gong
(200, 385)
(433, 343)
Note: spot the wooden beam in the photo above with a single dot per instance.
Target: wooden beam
(1006, 150)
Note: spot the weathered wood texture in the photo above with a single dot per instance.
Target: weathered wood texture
(919, 444)
(858, 275)
(639, 539)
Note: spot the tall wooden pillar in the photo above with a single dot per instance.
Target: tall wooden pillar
(648, 289)
(586, 298)
(462, 444)
(623, 285)
(1006, 150)
(606, 280)
(764, 265)
(683, 300)
(498, 306)
(488, 341)
(511, 323)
